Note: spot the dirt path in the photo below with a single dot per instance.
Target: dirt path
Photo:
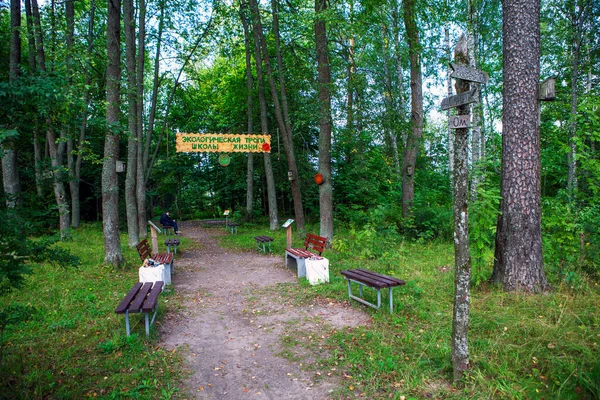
(240, 334)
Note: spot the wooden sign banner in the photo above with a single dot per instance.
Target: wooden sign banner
(223, 143)
(459, 121)
(460, 99)
(467, 73)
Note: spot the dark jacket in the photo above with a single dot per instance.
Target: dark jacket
(166, 220)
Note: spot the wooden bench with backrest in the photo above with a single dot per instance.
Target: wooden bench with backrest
(312, 244)
(145, 253)
(374, 280)
(142, 298)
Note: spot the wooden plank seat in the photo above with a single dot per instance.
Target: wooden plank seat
(172, 242)
(312, 244)
(209, 223)
(262, 242)
(232, 227)
(167, 229)
(145, 252)
(374, 280)
(142, 298)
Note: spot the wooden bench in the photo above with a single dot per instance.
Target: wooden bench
(262, 242)
(172, 242)
(145, 252)
(373, 280)
(232, 227)
(142, 298)
(311, 243)
(167, 229)
(209, 223)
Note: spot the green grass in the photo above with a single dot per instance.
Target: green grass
(75, 346)
(521, 347)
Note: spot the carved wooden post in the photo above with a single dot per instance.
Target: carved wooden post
(460, 321)
(154, 231)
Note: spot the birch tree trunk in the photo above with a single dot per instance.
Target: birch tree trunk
(110, 183)
(325, 122)
(462, 257)
(449, 113)
(518, 261)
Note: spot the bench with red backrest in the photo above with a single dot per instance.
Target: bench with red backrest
(145, 253)
(312, 244)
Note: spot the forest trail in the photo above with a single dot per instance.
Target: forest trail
(240, 334)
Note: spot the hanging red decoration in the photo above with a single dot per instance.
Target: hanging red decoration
(319, 179)
(266, 147)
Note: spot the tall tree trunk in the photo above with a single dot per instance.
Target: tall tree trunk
(110, 183)
(518, 255)
(249, 85)
(577, 18)
(325, 122)
(37, 148)
(154, 101)
(75, 181)
(390, 123)
(170, 99)
(133, 231)
(462, 257)
(10, 175)
(140, 186)
(449, 92)
(416, 100)
(288, 139)
(271, 195)
(282, 116)
(477, 138)
(54, 149)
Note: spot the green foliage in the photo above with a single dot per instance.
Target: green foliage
(73, 337)
(571, 240)
(18, 253)
(483, 218)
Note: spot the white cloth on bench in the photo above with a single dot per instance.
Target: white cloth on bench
(156, 273)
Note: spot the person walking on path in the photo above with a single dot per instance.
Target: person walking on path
(166, 220)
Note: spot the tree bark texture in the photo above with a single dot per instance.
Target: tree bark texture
(577, 21)
(132, 145)
(288, 136)
(416, 109)
(250, 106)
(271, 195)
(518, 255)
(55, 150)
(110, 183)
(449, 113)
(325, 122)
(462, 257)
(10, 172)
(140, 185)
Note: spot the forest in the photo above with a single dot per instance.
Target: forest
(355, 98)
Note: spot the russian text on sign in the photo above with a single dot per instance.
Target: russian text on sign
(467, 73)
(223, 143)
(460, 99)
(459, 121)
